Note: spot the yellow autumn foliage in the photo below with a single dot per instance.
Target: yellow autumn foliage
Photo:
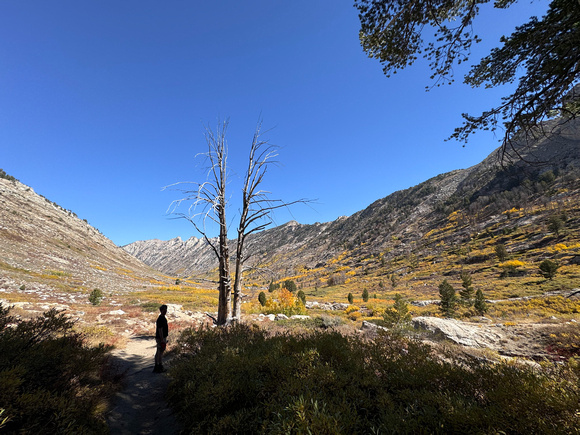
(351, 309)
(511, 264)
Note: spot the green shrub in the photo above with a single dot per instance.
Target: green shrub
(4, 175)
(50, 380)
(556, 224)
(365, 295)
(501, 252)
(548, 269)
(289, 285)
(480, 305)
(350, 298)
(243, 380)
(96, 297)
(301, 296)
(262, 298)
(397, 315)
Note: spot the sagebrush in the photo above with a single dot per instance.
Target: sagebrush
(243, 380)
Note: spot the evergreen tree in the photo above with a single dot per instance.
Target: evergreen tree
(555, 224)
(350, 298)
(272, 286)
(290, 285)
(540, 57)
(501, 252)
(398, 314)
(467, 292)
(365, 295)
(448, 298)
(96, 297)
(302, 296)
(548, 269)
(480, 305)
(262, 298)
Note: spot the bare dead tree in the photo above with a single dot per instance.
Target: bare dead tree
(255, 213)
(257, 207)
(210, 198)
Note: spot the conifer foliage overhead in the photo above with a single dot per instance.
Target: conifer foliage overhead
(542, 56)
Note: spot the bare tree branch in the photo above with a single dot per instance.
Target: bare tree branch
(208, 203)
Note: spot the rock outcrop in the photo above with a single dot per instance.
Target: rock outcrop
(466, 334)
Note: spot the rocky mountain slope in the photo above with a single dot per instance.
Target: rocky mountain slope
(45, 246)
(176, 256)
(394, 225)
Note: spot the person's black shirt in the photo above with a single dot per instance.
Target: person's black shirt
(161, 323)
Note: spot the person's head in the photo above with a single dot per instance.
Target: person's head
(163, 309)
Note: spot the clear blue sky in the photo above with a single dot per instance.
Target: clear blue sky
(103, 103)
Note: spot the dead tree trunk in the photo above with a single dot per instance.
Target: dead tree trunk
(254, 215)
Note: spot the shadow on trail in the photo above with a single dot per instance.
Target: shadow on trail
(140, 407)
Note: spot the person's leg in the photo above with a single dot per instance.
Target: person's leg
(159, 358)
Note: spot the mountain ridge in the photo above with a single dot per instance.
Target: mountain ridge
(40, 239)
(477, 193)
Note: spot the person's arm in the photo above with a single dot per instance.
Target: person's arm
(160, 334)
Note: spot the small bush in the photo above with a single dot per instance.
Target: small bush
(365, 295)
(556, 224)
(96, 297)
(351, 309)
(302, 296)
(262, 298)
(501, 252)
(548, 269)
(290, 286)
(350, 298)
(510, 267)
(354, 315)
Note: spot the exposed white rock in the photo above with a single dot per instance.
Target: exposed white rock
(328, 306)
(460, 332)
(424, 303)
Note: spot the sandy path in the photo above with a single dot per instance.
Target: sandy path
(140, 407)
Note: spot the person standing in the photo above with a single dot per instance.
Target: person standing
(161, 333)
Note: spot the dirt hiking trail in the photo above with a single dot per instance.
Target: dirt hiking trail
(140, 406)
